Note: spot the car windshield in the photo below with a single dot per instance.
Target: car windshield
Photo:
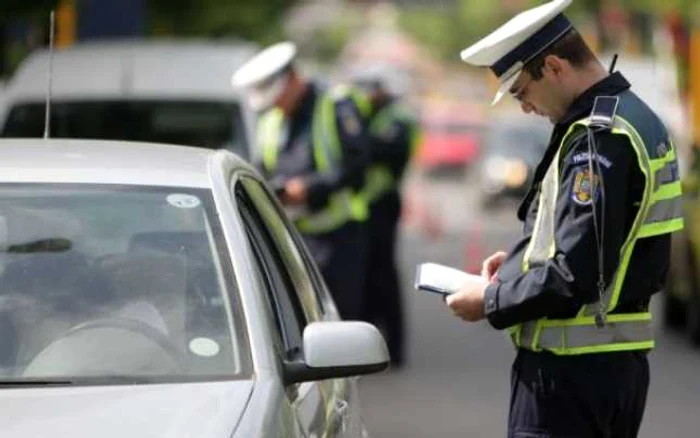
(115, 282)
(192, 123)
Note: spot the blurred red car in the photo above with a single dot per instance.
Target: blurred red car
(450, 136)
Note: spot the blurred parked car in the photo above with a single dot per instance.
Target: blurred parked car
(171, 92)
(450, 136)
(682, 298)
(169, 299)
(511, 150)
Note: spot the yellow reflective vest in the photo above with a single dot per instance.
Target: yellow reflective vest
(379, 178)
(345, 204)
(659, 213)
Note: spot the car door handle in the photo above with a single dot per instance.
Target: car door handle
(341, 407)
(339, 417)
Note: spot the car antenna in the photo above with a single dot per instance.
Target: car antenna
(49, 77)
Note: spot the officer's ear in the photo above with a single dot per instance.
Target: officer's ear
(554, 67)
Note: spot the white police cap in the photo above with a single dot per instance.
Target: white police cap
(377, 75)
(507, 49)
(264, 65)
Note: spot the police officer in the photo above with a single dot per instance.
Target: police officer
(574, 292)
(311, 146)
(392, 137)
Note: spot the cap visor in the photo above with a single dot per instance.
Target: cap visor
(505, 87)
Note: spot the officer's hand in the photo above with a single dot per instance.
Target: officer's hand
(468, 303)
(491, 265)
(295, 192)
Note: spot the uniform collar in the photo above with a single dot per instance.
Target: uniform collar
(609, 86)
(581, 107)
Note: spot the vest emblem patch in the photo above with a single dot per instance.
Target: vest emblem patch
(581, 192)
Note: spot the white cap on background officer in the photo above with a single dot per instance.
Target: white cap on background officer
(311, 143)
(380, 77)
(265, 76)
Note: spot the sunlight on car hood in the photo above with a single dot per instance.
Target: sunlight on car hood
(154, 411)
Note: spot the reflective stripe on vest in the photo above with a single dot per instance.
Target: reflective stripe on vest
(379, 178)
(378, 181)
(658, 214)
(622, 332)
(665, 212)
(344, 205)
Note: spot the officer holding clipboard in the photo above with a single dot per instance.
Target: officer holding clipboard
(574, 291)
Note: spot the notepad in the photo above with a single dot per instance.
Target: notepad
(440, 279)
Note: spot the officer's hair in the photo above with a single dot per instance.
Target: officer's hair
(571, 47)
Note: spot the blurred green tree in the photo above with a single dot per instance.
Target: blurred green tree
(252, 20)
(446, 30)
(435, 29)
(12, 10)
(17, 8)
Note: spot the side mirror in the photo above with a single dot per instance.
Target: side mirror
(338, 349)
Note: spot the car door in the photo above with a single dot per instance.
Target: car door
(322, 407)
(347, 390)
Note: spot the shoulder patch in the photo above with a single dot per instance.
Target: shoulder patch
(581, 192)
(583, 157)
(662, 149)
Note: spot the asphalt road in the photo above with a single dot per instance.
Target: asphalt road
(456, 381)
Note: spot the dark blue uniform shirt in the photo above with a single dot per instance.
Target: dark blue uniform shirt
(296, 156)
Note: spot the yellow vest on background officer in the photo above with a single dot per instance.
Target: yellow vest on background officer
(311, 147)
(392, 139)
(574, 292)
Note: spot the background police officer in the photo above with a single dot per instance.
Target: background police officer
(312, 148)
(392, 137)
(574, 291)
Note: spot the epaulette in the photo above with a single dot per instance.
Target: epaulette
(603, 112)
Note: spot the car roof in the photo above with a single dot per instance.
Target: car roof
(107, 162)
(134, 69)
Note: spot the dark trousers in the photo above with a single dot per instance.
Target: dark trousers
(341, 255)
(592, 395)
(383, 303)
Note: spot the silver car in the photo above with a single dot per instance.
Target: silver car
(158, 291)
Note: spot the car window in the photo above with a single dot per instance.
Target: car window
(208, 124)
(110, 282)
(285, 243)
(322, 295)
(279, 286)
